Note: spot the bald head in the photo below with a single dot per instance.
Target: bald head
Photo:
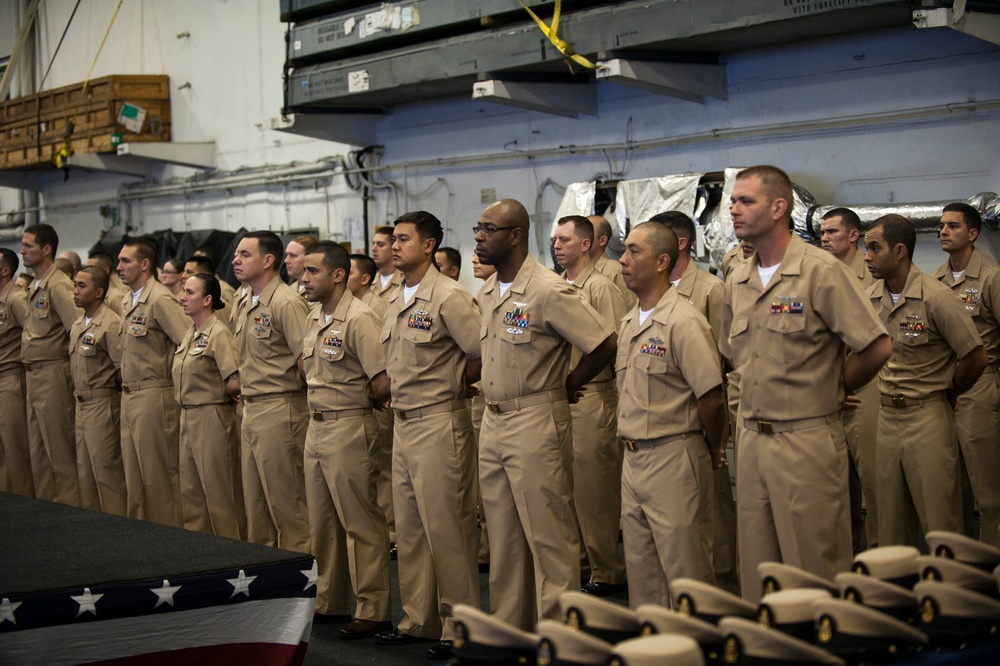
(511, 211)
(602, 234)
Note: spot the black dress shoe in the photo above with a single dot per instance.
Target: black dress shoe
(603, 589)
(392, 551)
(397, 637)
(440, 650)
(320, 618)
(363, 629)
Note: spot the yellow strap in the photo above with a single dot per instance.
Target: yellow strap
(561, 44)
(66, 150)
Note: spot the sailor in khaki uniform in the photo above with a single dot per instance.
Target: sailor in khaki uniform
(200, 263)
(597, 453)
(976, 280)
(431, 340)
(15, 459)
(152, 326)
(359, 282)
(269, 334)
(671, 416)
(706, 293)
(840, 230)
(482, 272)
(383, 284)
(789, 313)
(345, 371)
(206, 377)
(937, 355)
(95, 354)
(116, 290)
(604, 264)
(45, 353)
(530, 320)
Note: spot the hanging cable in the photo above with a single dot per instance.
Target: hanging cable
(561, 44)
(65, 150)
(59, 45)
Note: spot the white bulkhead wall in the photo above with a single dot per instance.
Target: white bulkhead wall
(233, 59)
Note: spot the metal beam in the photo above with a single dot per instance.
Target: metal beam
(982, 25)
(200, 155)
(561, 99)
(688, 81)
(125, 166)
(351, 128)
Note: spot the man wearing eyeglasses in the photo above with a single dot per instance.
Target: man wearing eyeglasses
(531, 320)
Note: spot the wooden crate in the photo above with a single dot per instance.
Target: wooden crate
(32, 128)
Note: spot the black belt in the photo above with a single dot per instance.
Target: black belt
(902, 402)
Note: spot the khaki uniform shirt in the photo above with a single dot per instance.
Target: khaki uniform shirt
(386, 292)
(787, 340)
(151, 331)
(376, 303)
(427, 342)
(51, 314)
(269, 338)
(664, 366)
(116, 294)
(930, 331)
(341, 356)
(732, 259)
(202, 363)
(13, 311)
(600, 293)
(95, 351)
(612, 270)
(241, 296)
(527, 333)
(979, 289)
(705, 292)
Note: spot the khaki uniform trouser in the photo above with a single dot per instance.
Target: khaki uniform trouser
(792, 503)
(349, 535)
(99, 453)
(15, 456)
(381, 455)
(597, 481)
(150, 455)
(433, 494)
(477, 406)
(273, 437)
(51, 437)
(667, 517)
(978, 423)
(526, 478)
(861, 428)
(918, 472)
(211, 485)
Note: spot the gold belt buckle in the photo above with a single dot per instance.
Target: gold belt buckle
(898, 401)
(317, 415)
(629, 444)
(765, 427)
(400, 414)
(493, 406)
(126, 388)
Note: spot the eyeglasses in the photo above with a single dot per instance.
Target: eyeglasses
(489, 229)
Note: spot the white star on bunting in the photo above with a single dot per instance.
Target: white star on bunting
(311, 576)
(165, 593)
(87, 601)
(7, 609)
(241, 584)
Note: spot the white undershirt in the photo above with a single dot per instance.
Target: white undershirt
(504, 286)
(327, 317)
(408, 293)
(675, 282)
(87, 320)
(135, 296)
(386, 279)
(644, 315)
(894, 297)
(766, 273)
(957, 275)
(253, 299)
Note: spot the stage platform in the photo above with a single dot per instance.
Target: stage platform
(79, 586)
